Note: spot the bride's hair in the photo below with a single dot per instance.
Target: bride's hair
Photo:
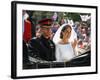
(63, 29)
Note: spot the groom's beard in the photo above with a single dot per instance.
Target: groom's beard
(48, 35)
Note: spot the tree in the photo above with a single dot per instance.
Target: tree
(74, 16)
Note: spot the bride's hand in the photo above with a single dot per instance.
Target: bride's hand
(74, 43)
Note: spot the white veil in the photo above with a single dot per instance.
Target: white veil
(56, 37)
(73, 36)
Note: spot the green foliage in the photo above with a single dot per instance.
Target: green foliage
(74, 16)
(37, 15)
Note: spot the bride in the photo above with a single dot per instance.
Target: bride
(65, 43)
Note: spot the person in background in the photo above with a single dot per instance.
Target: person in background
(27, 34)
(38, 32)
(55, 27)
(26, 30)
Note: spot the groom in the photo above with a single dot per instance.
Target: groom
(43, 48)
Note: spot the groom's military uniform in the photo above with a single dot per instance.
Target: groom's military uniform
(42, 49)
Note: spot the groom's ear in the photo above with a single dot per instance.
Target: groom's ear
(41, 30)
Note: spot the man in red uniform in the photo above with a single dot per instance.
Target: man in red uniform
(27, 35)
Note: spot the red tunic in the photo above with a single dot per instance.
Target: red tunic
(27, 31)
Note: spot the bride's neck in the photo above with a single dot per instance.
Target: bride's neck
(64, 41)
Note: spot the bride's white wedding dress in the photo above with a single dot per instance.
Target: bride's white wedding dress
(64, 52)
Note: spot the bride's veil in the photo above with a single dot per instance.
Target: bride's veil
(73, 36)
(56, 37)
